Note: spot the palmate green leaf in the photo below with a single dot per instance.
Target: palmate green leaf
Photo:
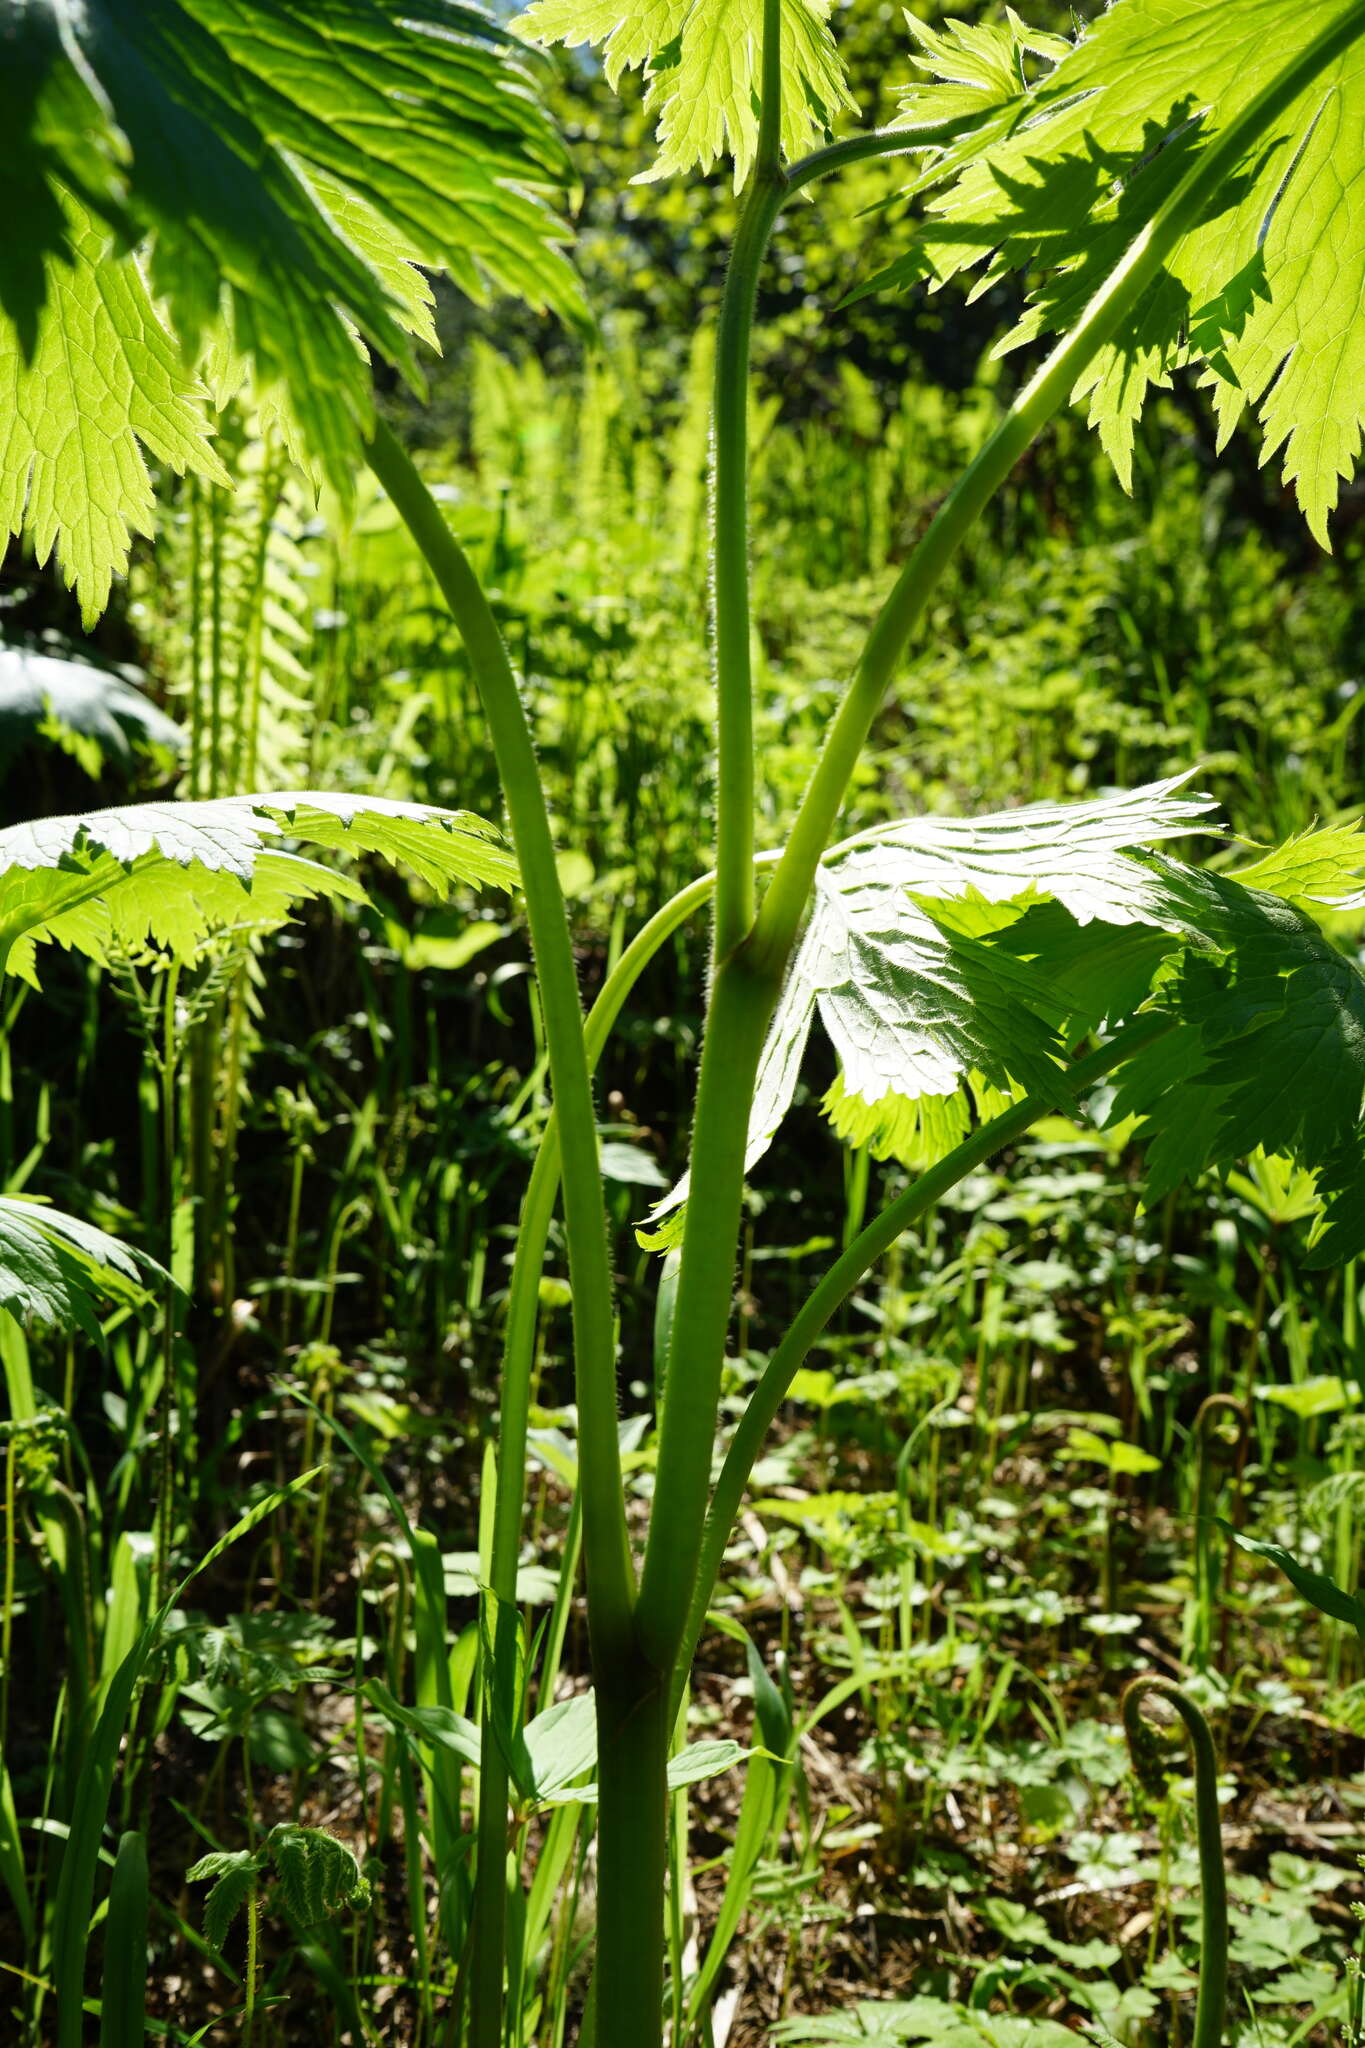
(1270, 1053)
(175, 874)
(234, 1873)
(1262, 296)
(270, 171)
(702, 59)
(56, 1269)
(1322, 866)
(900, 964)
(976, 67)
(104, 382)
(953, 964)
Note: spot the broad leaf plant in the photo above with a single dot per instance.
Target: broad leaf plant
(207, 196)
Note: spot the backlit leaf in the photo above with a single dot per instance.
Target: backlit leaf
(1262, 296)
(176, 873)
(272, 170)
(57, 1269)
(702, 58)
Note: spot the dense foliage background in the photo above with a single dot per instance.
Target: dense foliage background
(982, 1508)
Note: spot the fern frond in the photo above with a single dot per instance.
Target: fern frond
(235, 1873)
(317, 1875)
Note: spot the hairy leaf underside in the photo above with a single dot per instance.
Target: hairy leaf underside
(198, 189)
(955, 964)
(1262, 298)
(177, 874)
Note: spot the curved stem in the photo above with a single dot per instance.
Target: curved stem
(838, 1283)
(747, 981)
(1044, 395)
(1213, 1902)
(611, 1576)
(518, 1357)
(523, 1300)
(873, 142)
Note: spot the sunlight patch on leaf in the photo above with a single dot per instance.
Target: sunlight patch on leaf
(104, 382)
(898, 959)
(177, 873)
(280, 168)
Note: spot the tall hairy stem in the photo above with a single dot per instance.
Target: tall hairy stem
(748, 978)
(1211, 2009)
(518, 1359)
(730, 512)
(611, 1582)
(768, 191)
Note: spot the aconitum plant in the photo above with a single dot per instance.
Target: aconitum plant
(216, 195)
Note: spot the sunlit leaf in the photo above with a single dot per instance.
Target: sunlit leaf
(268, 172)
(702, 61)
(176, 873)
(1263, 294)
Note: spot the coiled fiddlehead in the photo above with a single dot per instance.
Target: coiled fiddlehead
(1213, 1896)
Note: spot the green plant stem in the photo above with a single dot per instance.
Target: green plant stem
(1046, 392)
(742, 1002)
(253, 1914)
(1208, 1555)
(730, 548)
(874, 142)
(440, 548)
(769, 189)
(747, 981)
(611, 1578)
(518, 1361)
(632, 1852)
(834, 1288)
(1211, 2009)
